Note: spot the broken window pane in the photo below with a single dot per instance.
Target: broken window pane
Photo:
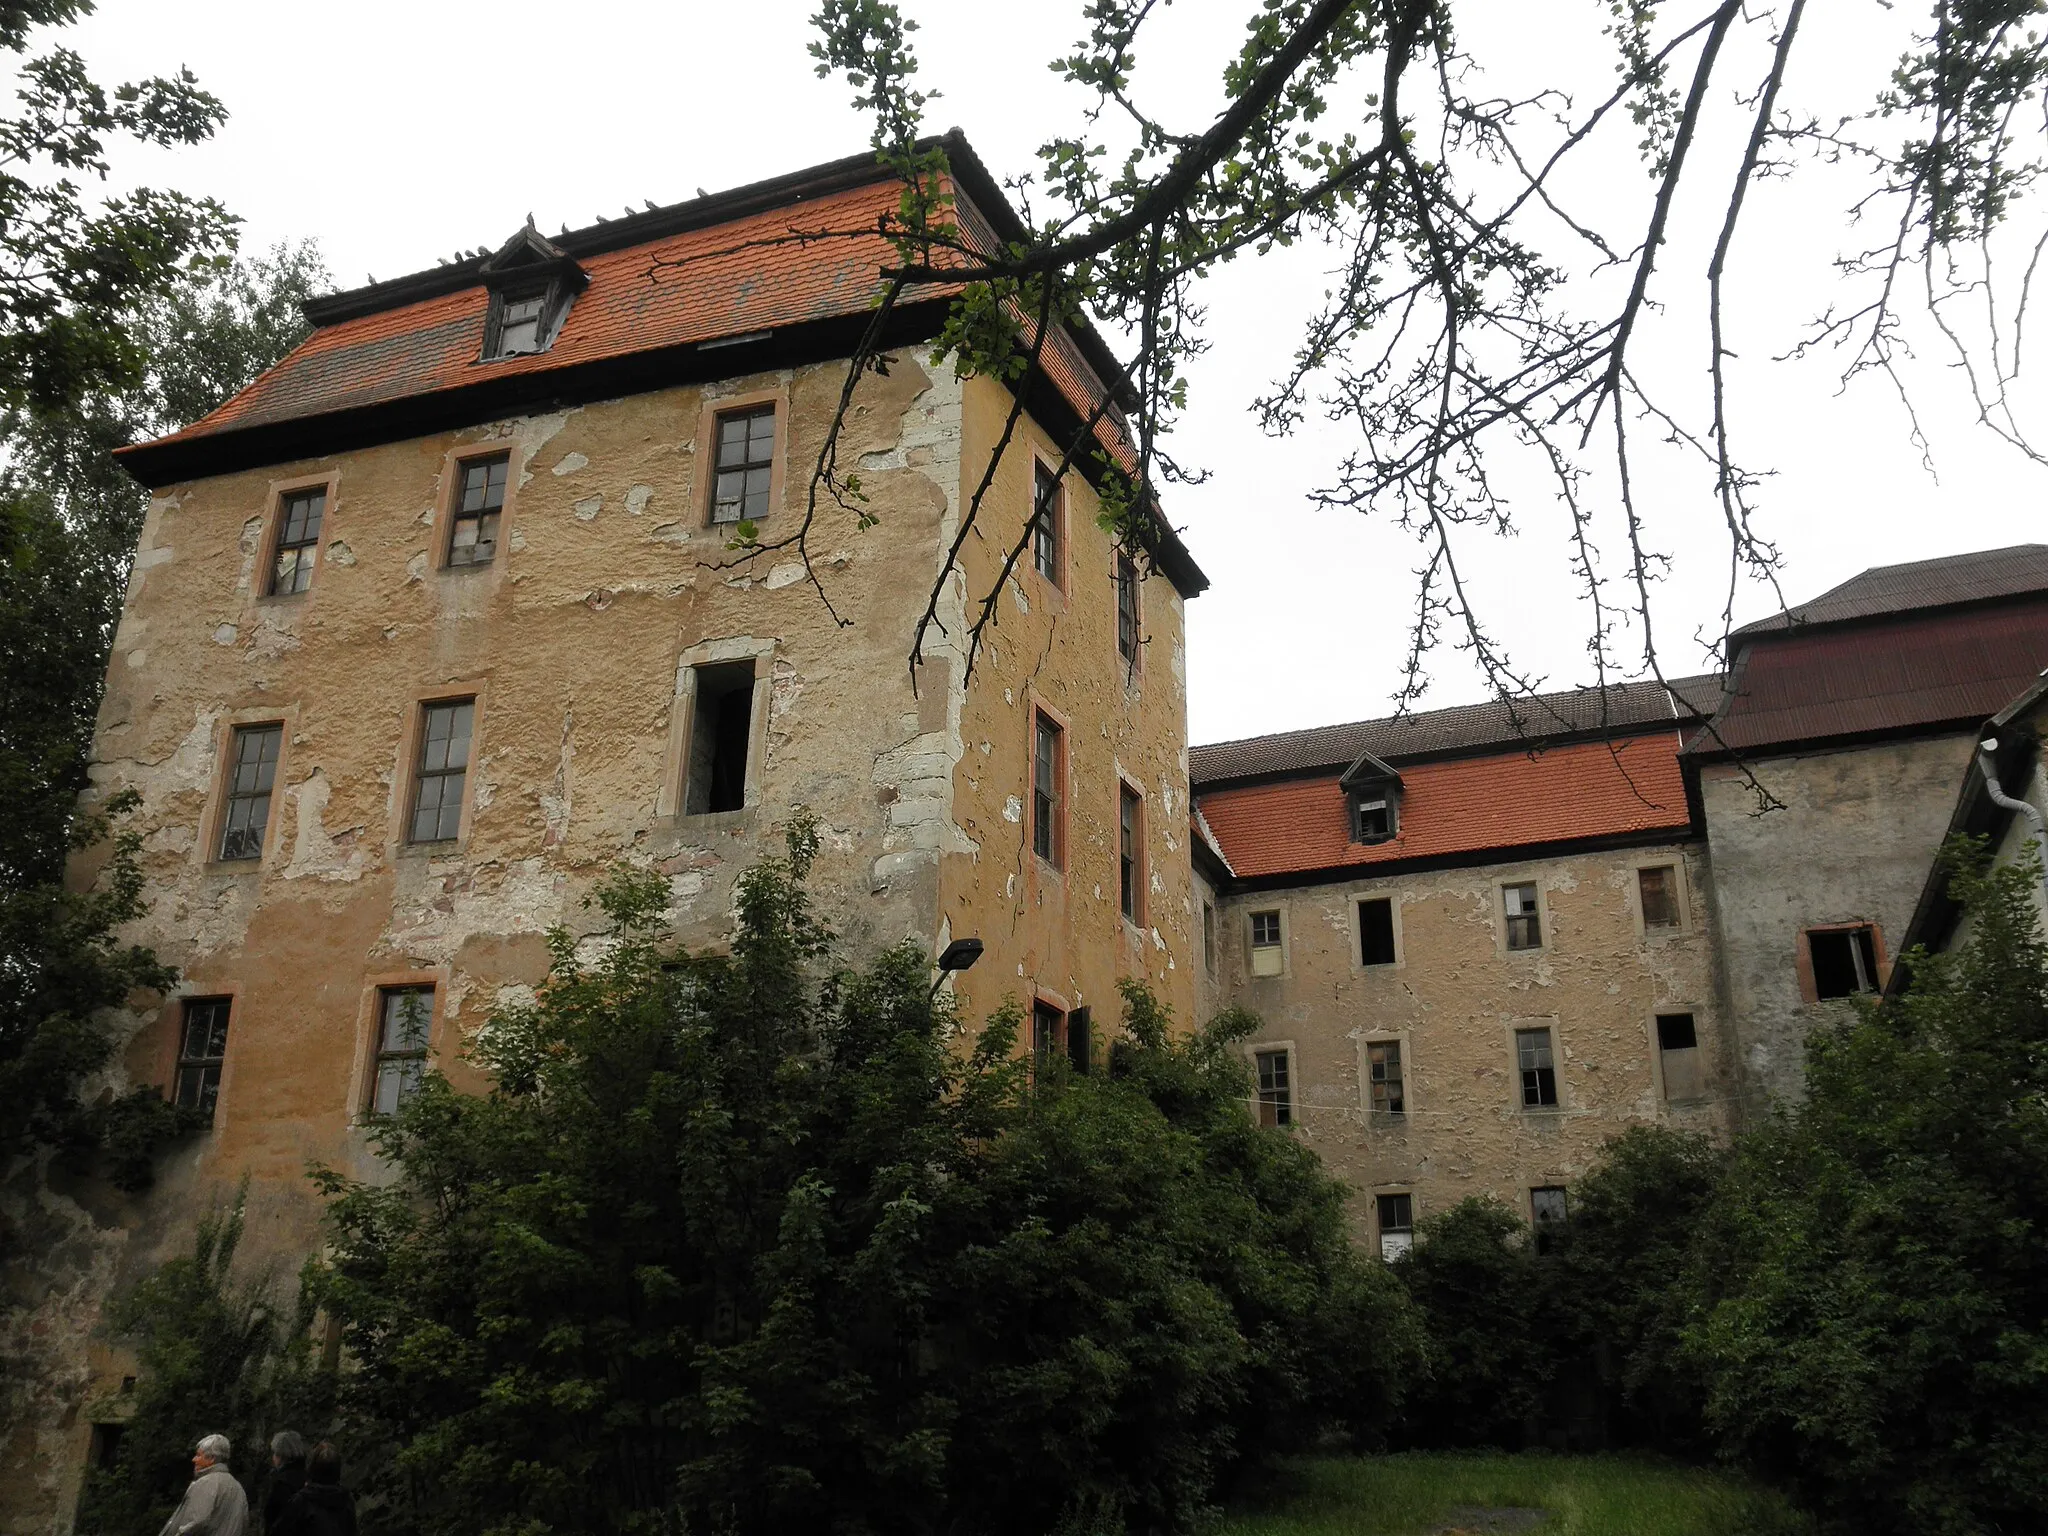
(479, 504)
(1547, 1210)
(1276, 1092)
(1045, 522)
(1525, 929)
(202, 1050)
(745, 466)
(1539, 1071)
(298, 541)
(1383, 1060)
(1844, 961)
(1396, 1223)
(1659, 888)
(251, 773)
(519, 325)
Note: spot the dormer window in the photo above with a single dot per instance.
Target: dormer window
(519, 325)
(1373, 792)
(532, 283)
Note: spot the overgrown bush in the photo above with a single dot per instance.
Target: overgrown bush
(743, 1243)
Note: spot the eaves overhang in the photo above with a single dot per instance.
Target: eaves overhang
(1466, 858)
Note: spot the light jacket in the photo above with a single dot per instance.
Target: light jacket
(214, 1505)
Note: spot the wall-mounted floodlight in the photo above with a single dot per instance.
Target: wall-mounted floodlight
(959, 955)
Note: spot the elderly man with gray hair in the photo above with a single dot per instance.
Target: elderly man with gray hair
(214, 1504)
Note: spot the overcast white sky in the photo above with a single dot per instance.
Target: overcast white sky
(397, 132)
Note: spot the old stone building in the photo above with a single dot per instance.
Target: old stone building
(441, 620)
(1478, 940)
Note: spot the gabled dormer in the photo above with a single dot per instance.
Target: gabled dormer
(1372, 791)
(532, 283)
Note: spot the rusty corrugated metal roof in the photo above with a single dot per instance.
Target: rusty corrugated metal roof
(1545, 716)
(1980, 576)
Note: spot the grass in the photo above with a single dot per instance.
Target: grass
(1409, 1495)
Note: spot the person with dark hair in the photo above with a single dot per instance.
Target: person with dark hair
(322, 1507)
(287, 1476)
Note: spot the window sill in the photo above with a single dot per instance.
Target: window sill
(741, 820)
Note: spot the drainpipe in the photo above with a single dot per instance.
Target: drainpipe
(2006, 802)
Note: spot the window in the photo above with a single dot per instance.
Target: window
(1547, 1211)
(252, 769)
(1383, 1062)
(479, 504)
(1844, 961)
(1397, 1225)
(1525, 928)
(1375, 817)
(1267, 954)
(1126, 607)
(1659, 890)
(404, 1016)
(1045, 522)
(746, 464)
(1679, 1055)
(1080, 1041)
(519, 322)
(1209, 937)
(1048, 1027)
(1276, 1091)
(1047, 746)
(1130, 823)
(298, 541)
(1538, 1068)
(443, 769)
(202, 1048)
(721, 735)
(1376, 931)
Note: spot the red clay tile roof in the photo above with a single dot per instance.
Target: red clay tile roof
(1574, 712)
(1886, 589)
(1460, 806)
(1942, 670)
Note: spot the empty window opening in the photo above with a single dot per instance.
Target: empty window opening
(1126, 607)
(1375, 817)
(1048, 742)
(1209, 937)
(1397, 1225)
(1659, 890)
(1383, 1063)
(1525, 927)
(1080, 1040)
(1376, 931)
(105, 1452)
(298, 541)
(1547, 1212)
(1538, 1068)
(202, 1049)
(443, 769)
(1679, 1055)
(1844, 961)
(746, 465)
(1267, 954)
(519, 324)
(1048, 1031)
(404, 1017)
(721, 732)
(1045, 522)
(479, 506)
(252, 770)
(1276, 1089)
(1130, 850)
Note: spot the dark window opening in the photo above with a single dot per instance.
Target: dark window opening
(746, 465)
(106, 1446)
(1126, 607)
(1525, 927)
(1045, 791)
(405, 1015)
(443, 770)
(1547, 1211)
(1383, 1061)
(1538, 1068)
(1045, 522)
(1209, 937)
(1678, 1053)
(251, 774)
(298, 541)
(1376, 931)
(479, 505)
(1844, 961)
(721, 733)
(202, 1050)
(1130, 860)
(1048, 1031)
(1080, 1042)
(1375, 816)
(1397, 1224)
(1659, 888)
(1276, 1089)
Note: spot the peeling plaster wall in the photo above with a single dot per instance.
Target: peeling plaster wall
(1454, 998)
(606, 578)
(1059, 932)
(1859, 830)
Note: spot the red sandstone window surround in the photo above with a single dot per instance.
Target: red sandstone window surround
(1130, 832)
(1129, 638)
(1048, 789)
(1048, 522)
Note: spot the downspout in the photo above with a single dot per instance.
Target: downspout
(2005, 802)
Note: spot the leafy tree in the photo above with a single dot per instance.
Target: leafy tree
(743, 1242)
(217, 1354)
(1873, 1280)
